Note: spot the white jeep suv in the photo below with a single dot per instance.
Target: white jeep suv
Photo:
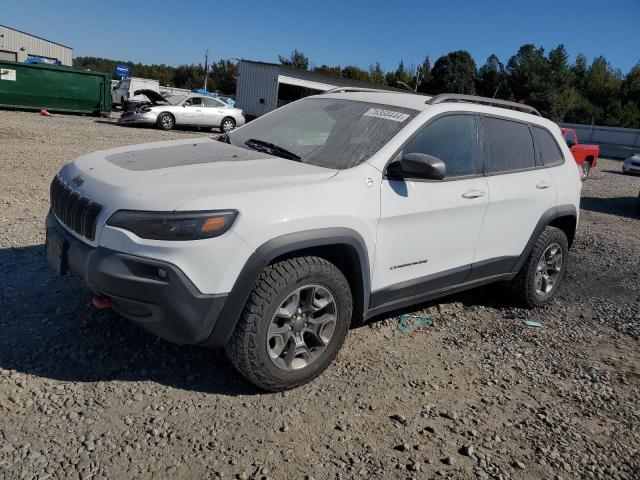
(272, 240)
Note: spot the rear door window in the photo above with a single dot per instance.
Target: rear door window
(548, 152)
(453, 139)
(211, 102)
(508, 146)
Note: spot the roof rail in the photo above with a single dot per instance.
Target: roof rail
(356, 89)
(456, 97)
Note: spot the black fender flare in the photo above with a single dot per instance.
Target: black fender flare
(547, 218)
(277, 247)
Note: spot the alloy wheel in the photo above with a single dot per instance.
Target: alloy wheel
(301, 327)
(227, 126)
(548, 269)
(167, 121)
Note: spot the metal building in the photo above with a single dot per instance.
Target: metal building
(18, 46)
(258, 84)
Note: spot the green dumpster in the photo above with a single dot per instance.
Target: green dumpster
(54, 87)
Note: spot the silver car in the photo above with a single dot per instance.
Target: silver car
(632, 164)
(182, 110)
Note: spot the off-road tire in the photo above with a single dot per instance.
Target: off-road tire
(247, 347)
(163, 124)
(522, 287)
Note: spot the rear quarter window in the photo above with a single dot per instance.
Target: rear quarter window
(547, 149)
(508, 146)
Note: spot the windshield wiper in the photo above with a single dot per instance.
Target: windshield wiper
(273, 148)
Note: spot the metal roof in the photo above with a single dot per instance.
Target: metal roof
(324, 77)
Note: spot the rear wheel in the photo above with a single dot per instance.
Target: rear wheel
(165, 121)
(542, 273)
(227, 124)
(293, 323)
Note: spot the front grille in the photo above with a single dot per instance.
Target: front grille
(73, 209)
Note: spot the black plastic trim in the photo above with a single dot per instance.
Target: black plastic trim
(547, 217)
(494, 102)
(461, 278)
(168, 305)
(491, 267)
(430, 295)
(279, 247)
(418, 286)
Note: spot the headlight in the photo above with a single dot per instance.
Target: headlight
(174, 225)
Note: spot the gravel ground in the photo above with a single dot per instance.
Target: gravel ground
(85, 394)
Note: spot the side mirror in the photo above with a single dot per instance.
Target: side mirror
(420, 165)
(571, 142)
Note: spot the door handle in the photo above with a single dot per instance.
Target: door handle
(541, 185)
(473, 193)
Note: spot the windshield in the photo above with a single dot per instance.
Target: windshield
(175, 99)
(328, 132)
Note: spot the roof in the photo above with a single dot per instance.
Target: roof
(423, 102)
(398, 98)
(35, 36)
(324, 76)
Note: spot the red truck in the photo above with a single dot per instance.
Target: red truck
(585, 155)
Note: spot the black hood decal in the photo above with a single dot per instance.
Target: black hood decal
(182, 155)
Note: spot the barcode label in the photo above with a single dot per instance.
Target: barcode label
(386, 114)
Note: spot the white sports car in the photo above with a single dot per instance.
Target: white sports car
(183, 110)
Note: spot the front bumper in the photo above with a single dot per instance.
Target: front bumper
(153, 294)
(630, 168)
(138, 118)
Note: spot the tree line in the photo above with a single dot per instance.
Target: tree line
(578, 92)
(222, 74)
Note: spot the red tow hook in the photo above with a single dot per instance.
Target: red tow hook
(101, 302)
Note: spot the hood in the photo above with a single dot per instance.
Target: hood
(152, 95)
(163, 176)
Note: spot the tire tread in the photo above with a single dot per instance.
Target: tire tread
(242, 349)
(521, 287)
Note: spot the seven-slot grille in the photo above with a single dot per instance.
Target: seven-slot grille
(73, 209)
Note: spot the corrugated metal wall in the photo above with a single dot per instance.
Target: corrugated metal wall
(614, 142)
(257, 88)
(23, 44)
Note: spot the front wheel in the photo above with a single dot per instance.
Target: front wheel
(542, 273)
(165, 121)
(293, 323)
(586, 168)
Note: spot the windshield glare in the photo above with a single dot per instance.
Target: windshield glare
(327, 132)
(175, 99)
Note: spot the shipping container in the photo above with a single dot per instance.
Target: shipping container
(56, 88)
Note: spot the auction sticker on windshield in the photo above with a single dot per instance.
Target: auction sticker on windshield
(386, 114)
